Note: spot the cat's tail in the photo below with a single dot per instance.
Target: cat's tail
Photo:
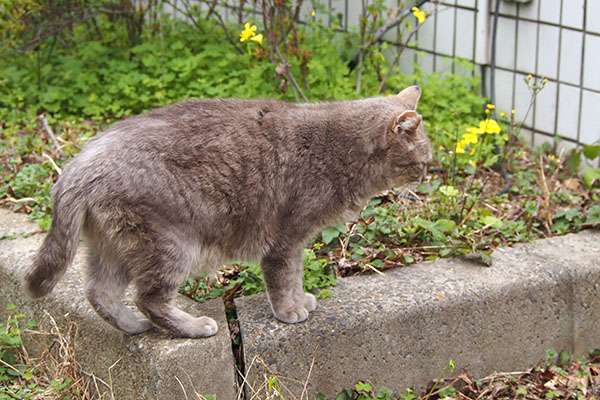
(59, 247)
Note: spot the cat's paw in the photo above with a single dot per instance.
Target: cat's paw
(135, 323)
(136, 327)
(291, 315)
(309, 301)
(202, 327)
(298, 310)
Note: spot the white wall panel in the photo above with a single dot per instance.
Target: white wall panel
(526, 49)
(572, 13)
(548, 51)
(590, 117)
(545, 108)
(568, 110)
(591, 72)
(570, 56)
(550, 11)
(465, 39)
(592, 18)
(505, 47)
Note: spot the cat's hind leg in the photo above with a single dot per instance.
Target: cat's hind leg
(106, 282)
(156, 289)
(283, 272)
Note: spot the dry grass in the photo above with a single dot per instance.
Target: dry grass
(48, 352)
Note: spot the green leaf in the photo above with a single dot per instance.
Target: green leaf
(590, 175)
(490, 220)
(345, 395)
(14, 372)
(332, 232)
(563, 357)
(449, 190)
(522, 391)
(9, 357)
(363, 387)
(574, 161)
(591, 151)
(445, 225)
(593, 216)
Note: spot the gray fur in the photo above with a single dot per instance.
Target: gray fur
(186, 188)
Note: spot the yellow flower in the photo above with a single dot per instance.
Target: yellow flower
(419, 14)
(472, 163)
(490, 126)
(487, 111)
(258, 38)
(313, 13)
(470, 138)
(459, 148)
(248, 32)
(502, 114)
(475, 130)
(491, 106)
(512, 112)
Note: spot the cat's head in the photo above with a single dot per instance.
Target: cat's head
(409, 149)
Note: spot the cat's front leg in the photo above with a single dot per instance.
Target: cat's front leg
(282, 271)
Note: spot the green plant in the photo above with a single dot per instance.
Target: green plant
(248, 279)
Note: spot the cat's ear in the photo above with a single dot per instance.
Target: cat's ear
(410, 96)
(408, 122)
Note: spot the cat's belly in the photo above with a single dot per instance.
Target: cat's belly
(209, 259)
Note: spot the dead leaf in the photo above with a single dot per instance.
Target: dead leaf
(283, 69)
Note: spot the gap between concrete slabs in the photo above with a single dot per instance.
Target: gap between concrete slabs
(398, 330)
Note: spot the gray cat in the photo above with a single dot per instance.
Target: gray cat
(199, 183)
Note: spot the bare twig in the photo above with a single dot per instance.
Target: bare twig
(381, 31)
(312, 364)
(287, 71)
(546, 196)
(396, 59)
(361, 51)
(56, 167)
(48, 129)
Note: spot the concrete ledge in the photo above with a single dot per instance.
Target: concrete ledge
(148, 366)
(401, 329)
(398, 330)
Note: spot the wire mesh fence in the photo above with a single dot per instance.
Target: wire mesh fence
(554, 39)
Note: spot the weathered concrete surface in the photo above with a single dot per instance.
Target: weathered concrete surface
(401, 329)
(398, 330)
(147, 366)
